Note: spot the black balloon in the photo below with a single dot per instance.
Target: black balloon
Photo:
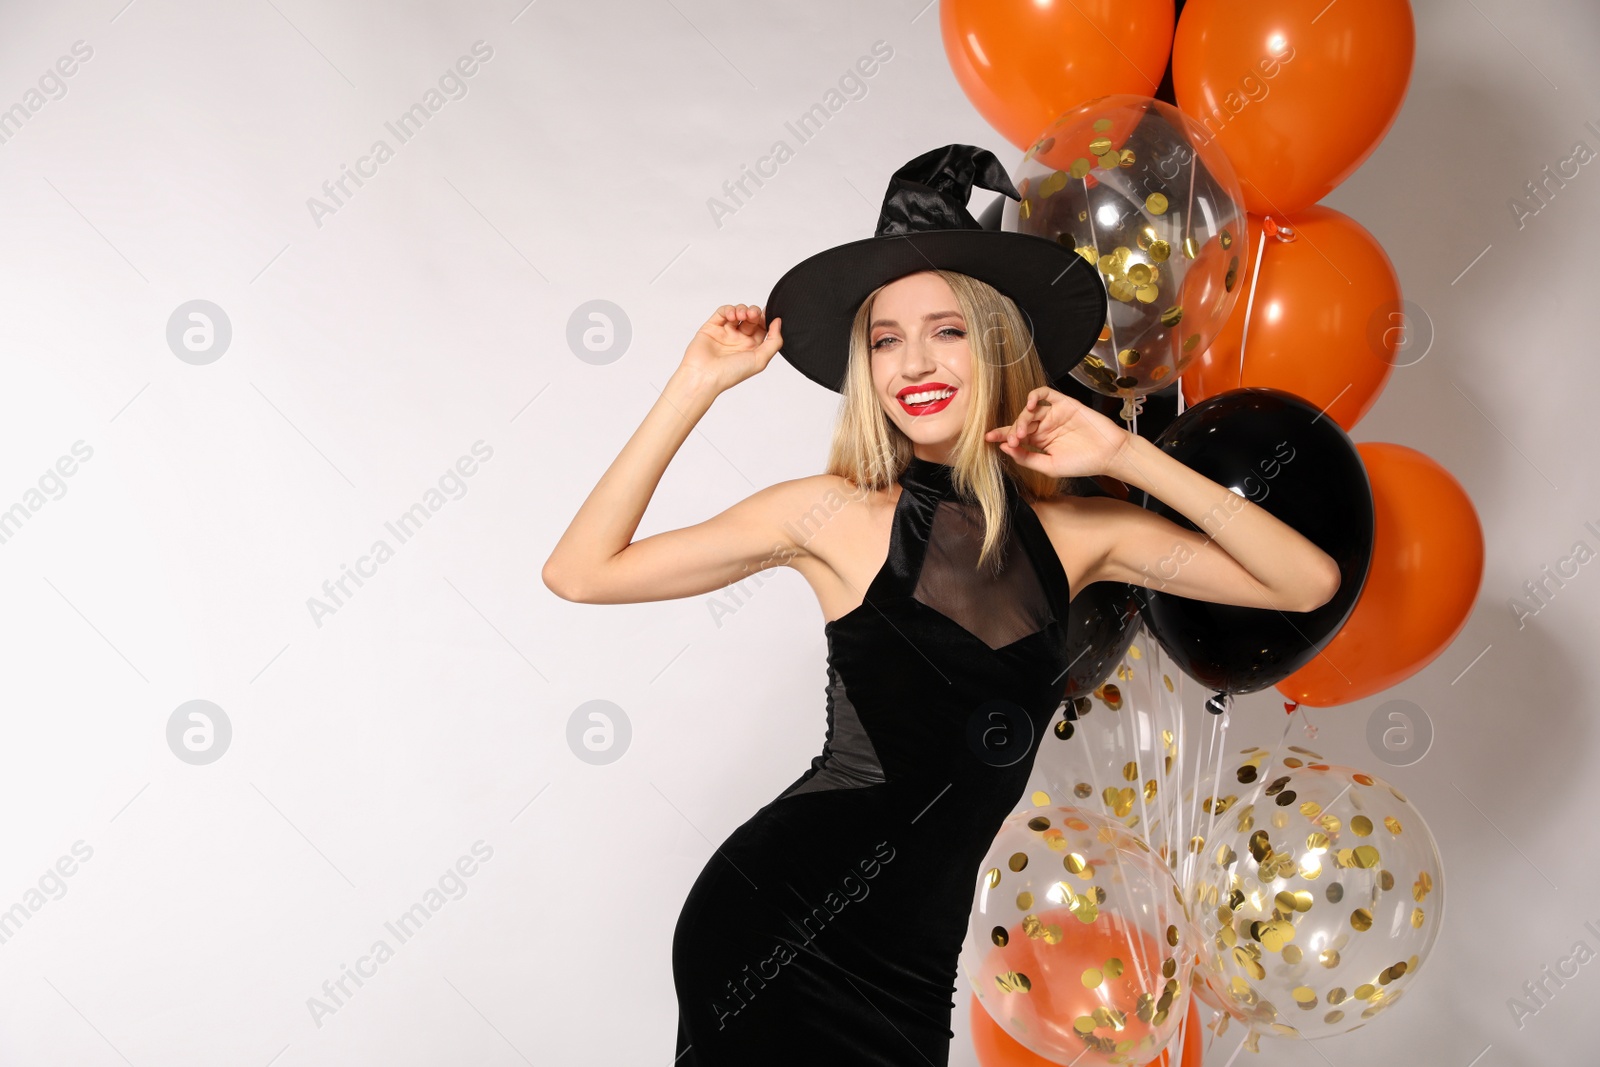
(1278, 451)
(1101, 623)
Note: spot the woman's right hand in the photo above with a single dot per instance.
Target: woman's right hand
(735, 343)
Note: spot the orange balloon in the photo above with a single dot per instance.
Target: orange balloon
(1024, 62)
(1057, 994)
(996, 1048)
(1297, 94)
(1427, 565)
(1321, 324)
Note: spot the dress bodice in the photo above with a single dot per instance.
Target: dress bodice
(944, 663)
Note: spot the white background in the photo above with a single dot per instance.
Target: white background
(430, 312)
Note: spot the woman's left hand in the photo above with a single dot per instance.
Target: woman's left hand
(1062, 437)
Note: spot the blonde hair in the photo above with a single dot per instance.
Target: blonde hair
(871, 451)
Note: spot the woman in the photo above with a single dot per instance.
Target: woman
(827, 927)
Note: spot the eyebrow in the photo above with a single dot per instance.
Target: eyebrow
(931, 316)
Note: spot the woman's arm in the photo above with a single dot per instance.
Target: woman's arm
(596, 560)
(1244, 556)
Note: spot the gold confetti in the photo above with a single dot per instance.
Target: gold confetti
(1156, 204)
(1013, 982)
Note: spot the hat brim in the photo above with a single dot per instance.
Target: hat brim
(1059, 293)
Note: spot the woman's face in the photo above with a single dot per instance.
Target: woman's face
(921, 365)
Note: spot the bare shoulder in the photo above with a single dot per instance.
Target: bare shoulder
(839, 533)
(820, 511)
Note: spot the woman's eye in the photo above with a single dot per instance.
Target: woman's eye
(879, 342)
(952, 330)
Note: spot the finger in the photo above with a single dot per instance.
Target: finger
(772, 342)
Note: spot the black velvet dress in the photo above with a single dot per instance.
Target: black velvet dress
(827, 928)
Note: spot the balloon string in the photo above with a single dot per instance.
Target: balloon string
(1219, 731)
(1255, 276)
(1188, 209)
(1143, 969)
(1176, 1055)
(1237, 1050)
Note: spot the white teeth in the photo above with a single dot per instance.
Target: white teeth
(923, 398)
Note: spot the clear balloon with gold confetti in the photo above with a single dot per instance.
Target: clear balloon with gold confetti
(1331, 896)
(1079, 945)
(1142, 192)
(1128, 750)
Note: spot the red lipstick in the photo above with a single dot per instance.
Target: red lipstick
(926, 407)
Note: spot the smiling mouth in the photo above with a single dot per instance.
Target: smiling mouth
(925, 400)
